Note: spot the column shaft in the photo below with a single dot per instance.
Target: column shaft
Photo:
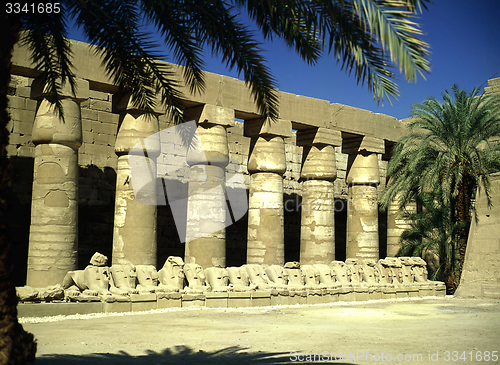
(54, 215)
(134, 232)
(54, 209)
(265, 220)
(137, 146)
(317, 233)
(362, 208)
(206, 217)
(362, 222)
(319, 170)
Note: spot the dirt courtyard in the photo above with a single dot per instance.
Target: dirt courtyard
(426, 331)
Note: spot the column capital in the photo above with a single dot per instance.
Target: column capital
(364, 170)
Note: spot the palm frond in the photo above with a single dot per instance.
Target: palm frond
(128, 54)
(46, 39)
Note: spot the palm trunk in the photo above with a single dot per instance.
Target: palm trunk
(463, 215)
(17, 347)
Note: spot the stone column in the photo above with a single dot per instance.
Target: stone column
(206, 207)
(362, 206)
(134, 233)
(396, 225)
(317, 232)
(53, 241)
(266, 164)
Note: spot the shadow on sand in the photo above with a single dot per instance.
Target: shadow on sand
(175, 355)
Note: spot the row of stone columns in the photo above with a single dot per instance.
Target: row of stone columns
(53, 234)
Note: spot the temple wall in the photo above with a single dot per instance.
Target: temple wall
(481, 272)
(98, 161)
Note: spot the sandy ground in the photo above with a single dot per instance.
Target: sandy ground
(425, 331)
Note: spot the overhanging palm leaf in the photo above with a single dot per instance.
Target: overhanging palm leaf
(364, 35)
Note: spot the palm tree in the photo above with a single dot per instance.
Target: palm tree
(433, 232)
(366, 36)
(450, 150)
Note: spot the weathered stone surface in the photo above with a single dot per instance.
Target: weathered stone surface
(211, 148)
(196, 279)
(98, 259)
(210, 114)
(49, 128)
(123, 279)
(206, 217)
(265, 243)
(134, 234)
(261, 127)
(39, 91)
(218, 279)
(319, 163)
(26, 293)
(369, 144)
(54, 215)
(267, 154)
(319, 136)
(135, 127)
(171, 276)
(239, 279)
(481, 272)
(364, 169)
(317, 237)
(395, 226)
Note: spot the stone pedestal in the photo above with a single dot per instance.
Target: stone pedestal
(134, 233)
(267, 164)
(207, 214)
(317, 233)
(362, 208)
(53, 241)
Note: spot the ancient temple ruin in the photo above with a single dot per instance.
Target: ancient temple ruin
(312, 180)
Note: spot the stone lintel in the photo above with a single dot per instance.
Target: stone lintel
(355, 145)
(261, 127)
(210, 114)
(319, 136)
(39, 90)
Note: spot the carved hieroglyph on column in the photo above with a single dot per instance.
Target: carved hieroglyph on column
(206, 207)
(134, 233)
(317, 232)
(396, 225)
(267, 164)
(362, 206)
(53, 241)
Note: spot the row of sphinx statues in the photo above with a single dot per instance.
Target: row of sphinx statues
(98, 280)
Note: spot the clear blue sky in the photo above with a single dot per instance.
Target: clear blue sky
(464, 36)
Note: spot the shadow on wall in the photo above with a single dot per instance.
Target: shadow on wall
(292, 204)
(382, 234)
(19, 217)
(176, 355)
(96, 206)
